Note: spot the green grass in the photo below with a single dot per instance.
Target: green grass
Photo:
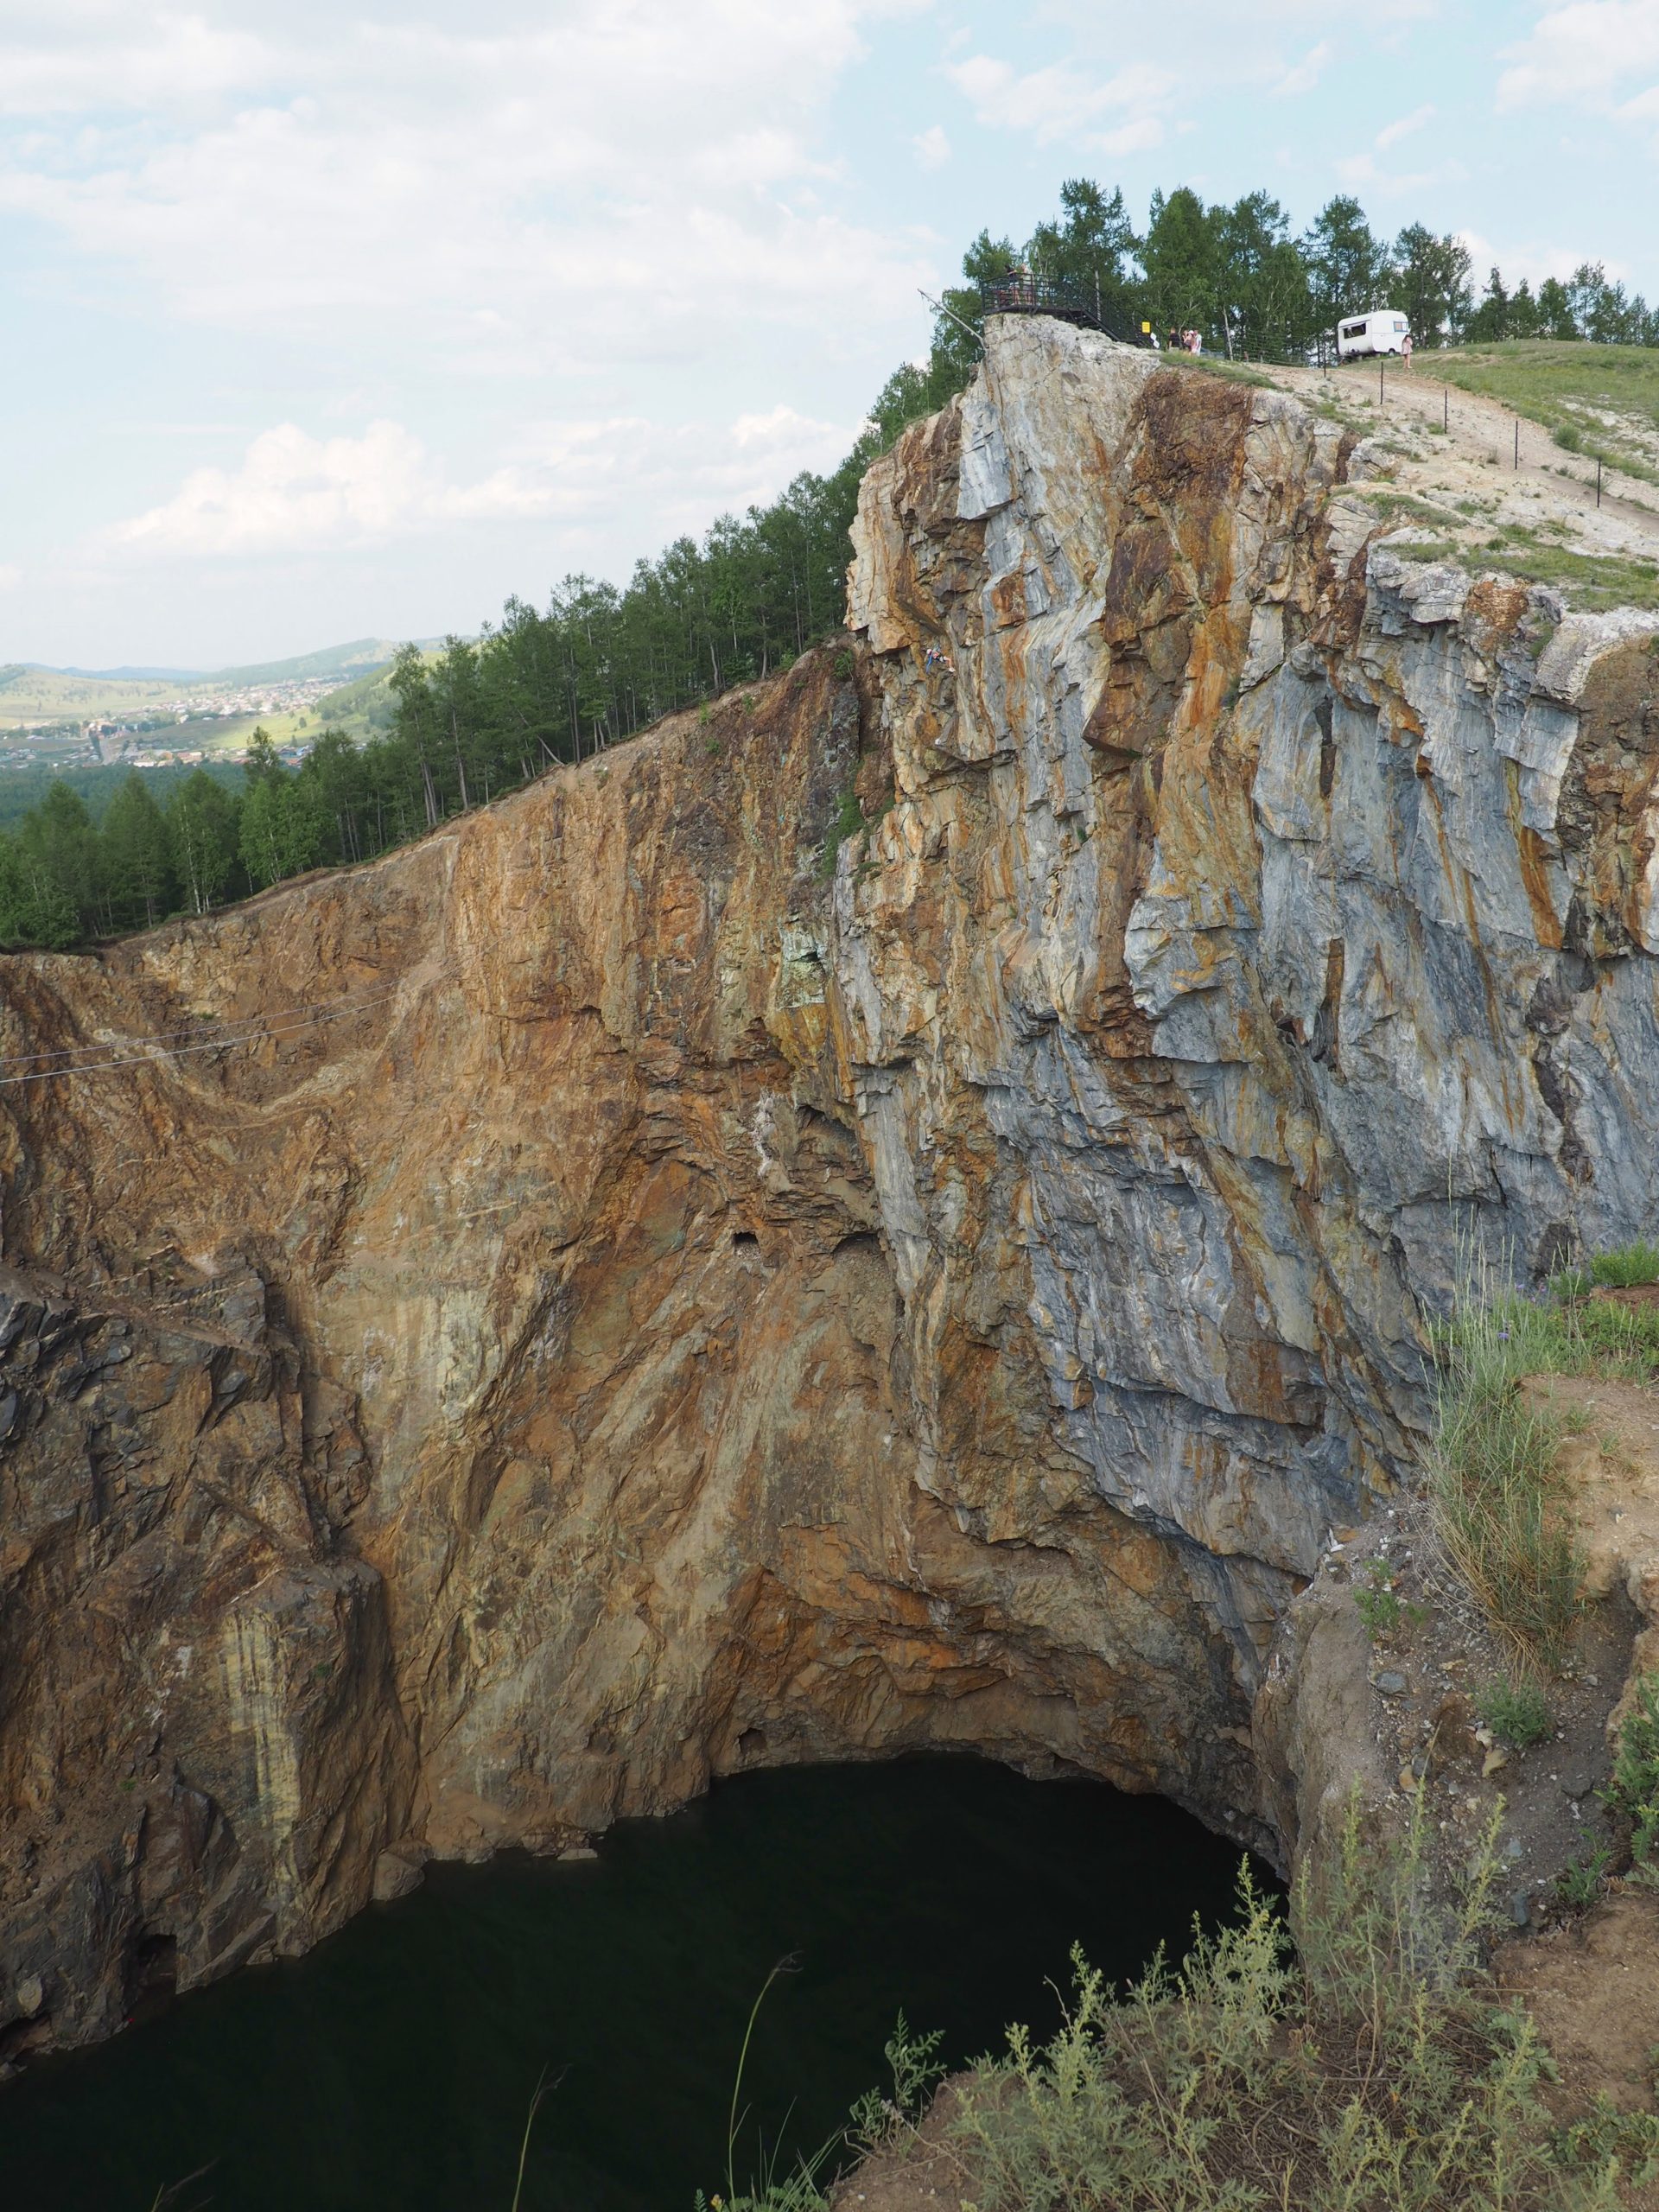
(1501, 1502)
(44, 694)
(1585, 581)
(1372, 2068)
(847, 821)
(1633, 1793)
(1215, 365)
(1516, 1714)
(1554, 382)
(1401, 507)
(1628, 1266)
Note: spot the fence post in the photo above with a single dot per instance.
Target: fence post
(1517, 442)
(1445, 402)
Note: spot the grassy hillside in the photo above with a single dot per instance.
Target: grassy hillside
(362, 709)
(48, 694)
(30, 693)
(1599, 400)
(347, 662)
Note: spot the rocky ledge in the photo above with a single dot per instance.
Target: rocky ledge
(894, 1214)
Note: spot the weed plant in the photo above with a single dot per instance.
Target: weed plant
(1516, 1714)
(1377, 1601)
(1626, 1268)
(1500, 1501)
(847, 821)
(1371, 2071)
(1580, 1886)
(1633, 1793)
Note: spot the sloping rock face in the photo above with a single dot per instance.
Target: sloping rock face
(891, 1216)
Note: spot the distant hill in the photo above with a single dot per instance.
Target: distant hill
(32, 693)
(360, 658)
(129, 674)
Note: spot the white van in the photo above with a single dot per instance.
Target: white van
(1383, 330)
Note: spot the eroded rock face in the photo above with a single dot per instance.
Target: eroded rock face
(633, 1288)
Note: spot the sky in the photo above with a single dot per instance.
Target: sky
(321, 319)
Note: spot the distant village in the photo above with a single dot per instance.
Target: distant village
(169, 731)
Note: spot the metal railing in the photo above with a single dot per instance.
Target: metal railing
(1020, 291)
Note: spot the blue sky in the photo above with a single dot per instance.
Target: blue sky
(322, 320)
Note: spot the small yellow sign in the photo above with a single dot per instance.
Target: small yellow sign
(1146, 329)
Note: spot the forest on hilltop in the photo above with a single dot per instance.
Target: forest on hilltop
(539, 688)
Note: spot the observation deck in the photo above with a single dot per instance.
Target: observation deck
(1019, 291)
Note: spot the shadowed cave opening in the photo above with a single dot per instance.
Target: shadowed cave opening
(392, 2066)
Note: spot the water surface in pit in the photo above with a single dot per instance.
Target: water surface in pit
(390, 2070)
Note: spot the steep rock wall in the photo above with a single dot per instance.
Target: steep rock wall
(662, 1285)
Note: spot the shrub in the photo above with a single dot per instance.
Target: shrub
(1627, 2140)
(1633, 1793)
(847, 822)
(1371, 2069)
(1627, 1266)
(913, 2062)
(1379, 1606)
(1499, 1503)
(842, 666)
(1580, 1886)
(1499, 1500)
(1516, 1714)
(1623, 1337)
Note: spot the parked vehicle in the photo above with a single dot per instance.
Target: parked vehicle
(1383, 331)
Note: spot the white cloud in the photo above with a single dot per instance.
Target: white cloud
(1588, 53)
(540, 189)
(1360, 172)
(1307, 72)
(931, 147)
(296, 493)
(1137, 137)
(1056, 101)
(1392, 133)
(166, 60)
(10, 575)
(1529, 259)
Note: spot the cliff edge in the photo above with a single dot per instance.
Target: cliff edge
(895, 1213)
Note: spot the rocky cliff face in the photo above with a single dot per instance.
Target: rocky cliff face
(660, 1277)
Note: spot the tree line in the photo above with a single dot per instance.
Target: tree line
(1257, 290)
(546, 686)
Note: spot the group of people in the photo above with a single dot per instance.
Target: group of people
(1184, 341)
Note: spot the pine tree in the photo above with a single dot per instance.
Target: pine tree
(205, 833)
(58, 837)
(136, 855)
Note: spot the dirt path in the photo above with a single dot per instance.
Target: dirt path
(1454, 452)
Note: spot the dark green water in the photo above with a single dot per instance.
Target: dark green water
(390, 2070)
